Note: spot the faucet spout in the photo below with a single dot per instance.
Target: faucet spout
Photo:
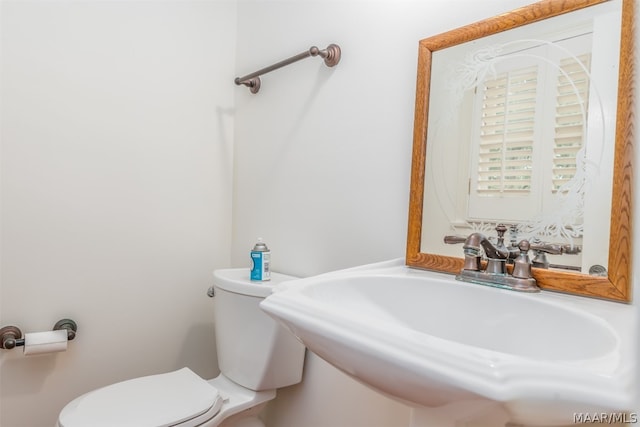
(494, 252)
(475, 241)
(496, 256)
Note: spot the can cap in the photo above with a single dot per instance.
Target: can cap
(260, 246)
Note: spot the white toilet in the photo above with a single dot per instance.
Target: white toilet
(255, 354)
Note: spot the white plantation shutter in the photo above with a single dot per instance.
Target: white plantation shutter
(506, 133)
(503, 152)
(571, 109)
(530, 116)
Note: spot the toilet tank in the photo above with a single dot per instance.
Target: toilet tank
(254, 351)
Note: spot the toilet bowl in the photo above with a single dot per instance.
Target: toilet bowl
(256, 356)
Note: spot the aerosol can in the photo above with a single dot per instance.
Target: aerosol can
(261, 257)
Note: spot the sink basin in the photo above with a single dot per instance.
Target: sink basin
(430, 341)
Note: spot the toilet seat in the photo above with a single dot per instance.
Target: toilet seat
(179, 398)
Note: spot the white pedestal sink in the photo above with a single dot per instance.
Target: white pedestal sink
(447, 347)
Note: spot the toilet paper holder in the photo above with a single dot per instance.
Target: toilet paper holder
(11, 336)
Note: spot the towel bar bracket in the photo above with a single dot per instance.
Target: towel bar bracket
(331, 54)
(253, 84)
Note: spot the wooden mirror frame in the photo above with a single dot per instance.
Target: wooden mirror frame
(617, 286)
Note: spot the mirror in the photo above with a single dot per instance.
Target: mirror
(525, 120)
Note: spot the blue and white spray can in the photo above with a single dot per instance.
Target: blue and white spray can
(261, 257)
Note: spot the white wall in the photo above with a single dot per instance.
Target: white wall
(116, 190)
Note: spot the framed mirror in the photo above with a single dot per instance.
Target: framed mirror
(524, 120)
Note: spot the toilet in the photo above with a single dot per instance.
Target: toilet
(256, 356)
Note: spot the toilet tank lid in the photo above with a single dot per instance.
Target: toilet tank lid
(237, 280)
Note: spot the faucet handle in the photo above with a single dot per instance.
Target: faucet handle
(571, 249)
(549, 248)
(452, 240)
(522, 265)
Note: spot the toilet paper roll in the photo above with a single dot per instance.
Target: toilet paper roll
(45, 342)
